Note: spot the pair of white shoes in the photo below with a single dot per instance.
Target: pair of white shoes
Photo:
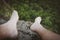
(9, 29)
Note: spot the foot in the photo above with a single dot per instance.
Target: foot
(36, 25)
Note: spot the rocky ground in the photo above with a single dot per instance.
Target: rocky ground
(24, 31)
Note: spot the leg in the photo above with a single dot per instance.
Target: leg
(44, 33)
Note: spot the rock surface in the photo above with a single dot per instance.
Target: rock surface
(24, 31)
(2, 21)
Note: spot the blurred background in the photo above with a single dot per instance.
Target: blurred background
(28, 10)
